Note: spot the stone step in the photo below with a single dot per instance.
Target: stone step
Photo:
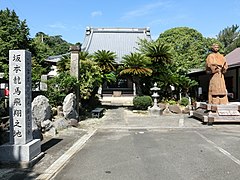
(224, 118)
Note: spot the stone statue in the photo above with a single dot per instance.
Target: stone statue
(216, 66)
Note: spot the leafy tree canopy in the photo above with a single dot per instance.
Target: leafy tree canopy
(14, 34)
(43, 46)
(90, 78)
(189, 47)
(55, 43)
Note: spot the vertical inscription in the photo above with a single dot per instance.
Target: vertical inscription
(20, 96)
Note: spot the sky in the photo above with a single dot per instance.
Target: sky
(69, 18)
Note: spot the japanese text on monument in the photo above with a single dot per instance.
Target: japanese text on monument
(20, 96)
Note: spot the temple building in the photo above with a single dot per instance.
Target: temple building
(121, 41)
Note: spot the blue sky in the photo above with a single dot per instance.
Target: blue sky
(70, 18)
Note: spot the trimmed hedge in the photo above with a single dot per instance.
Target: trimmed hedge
(142, 102)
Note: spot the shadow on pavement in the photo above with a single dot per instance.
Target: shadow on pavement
(52, 142)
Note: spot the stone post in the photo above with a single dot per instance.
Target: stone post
(22, 148)
(74, 71)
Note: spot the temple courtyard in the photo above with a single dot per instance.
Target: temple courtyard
(130, 145)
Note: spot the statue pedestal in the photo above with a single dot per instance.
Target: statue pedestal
(210, 113)
(155, 111)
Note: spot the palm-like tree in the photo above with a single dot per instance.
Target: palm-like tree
(83, 55)
(160, 56)
(105, 60)
(135, 64)
(64, 64)
(230, 37)
(156, 51)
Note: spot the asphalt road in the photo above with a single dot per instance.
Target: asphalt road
(129, 147)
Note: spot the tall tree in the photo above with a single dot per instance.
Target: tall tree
(189, 48)
(40, 51)
(157, 51)
(136, 65)
(14, 34)
(173, 54)
(90, 78)
(106, 60)
(64, 63)
(230, 38)
(160, 56)
(43, 46)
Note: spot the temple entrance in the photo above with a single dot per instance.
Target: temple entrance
(122, 87)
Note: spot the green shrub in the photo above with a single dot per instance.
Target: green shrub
(171, 102)
(142, 102)
(184, 101)
(60, 86)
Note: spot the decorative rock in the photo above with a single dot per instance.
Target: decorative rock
(51, 132)
(73, 122)
(60, 111)
(186, 110)
(54, 111)
(36, 131)
(162, 106)
(37, 134)
(167, 111)
(46, 125)
(41, 110)
(60, 124)
(175, 109)
(69, 107)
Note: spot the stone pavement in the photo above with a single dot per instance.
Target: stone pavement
(54, 149)
(117, 101)
(61, 148)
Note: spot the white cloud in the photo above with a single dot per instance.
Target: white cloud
(144, 10)
(168, 20)
(96, 13)
(57, 25)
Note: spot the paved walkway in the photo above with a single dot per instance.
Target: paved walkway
(124, 118)
(60, 149)
(117, 101)
(133, 146)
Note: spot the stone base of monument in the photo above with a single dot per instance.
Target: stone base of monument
(210, 113)
(155, 111)
(23, 156)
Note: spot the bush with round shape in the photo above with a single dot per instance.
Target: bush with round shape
(184, 101)
(142, 102)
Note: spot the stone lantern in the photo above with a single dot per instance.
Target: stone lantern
(155, 110)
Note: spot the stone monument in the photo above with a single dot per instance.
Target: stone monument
(74, 71)
(22, 149)
(155, 110)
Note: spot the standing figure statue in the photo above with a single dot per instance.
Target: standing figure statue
(216, 65)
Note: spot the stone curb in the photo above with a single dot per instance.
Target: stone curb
(62, 161)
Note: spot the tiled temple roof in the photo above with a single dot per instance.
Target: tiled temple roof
(233, 58)
(122, 41)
